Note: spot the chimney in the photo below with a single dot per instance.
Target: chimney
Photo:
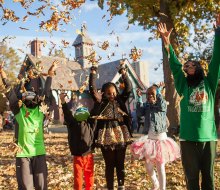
(36, 48)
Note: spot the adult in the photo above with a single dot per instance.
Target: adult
(198, 136)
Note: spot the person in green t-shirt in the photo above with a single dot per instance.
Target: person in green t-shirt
(198, 136)
(31, 167)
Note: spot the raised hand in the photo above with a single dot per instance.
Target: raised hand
(139, 93)
(98, 95)
(93, 69)
(162, 28)
(52, 69)
(62, 97)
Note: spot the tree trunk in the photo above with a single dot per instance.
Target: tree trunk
(173, 110)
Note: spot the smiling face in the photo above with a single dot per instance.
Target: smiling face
(110, 93)
(189, 67)
(151, 95)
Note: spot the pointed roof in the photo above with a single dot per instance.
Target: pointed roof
(70, 75)
(83, 37)
(109, 73)
(65, 75)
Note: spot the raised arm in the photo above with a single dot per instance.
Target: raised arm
(97, 97)
(68, 117)
(175, 65)
(11, 95)
(128, 86)
(214, 66)
(47, 89)
(140, 111)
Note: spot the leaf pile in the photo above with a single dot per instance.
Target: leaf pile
(59, 162)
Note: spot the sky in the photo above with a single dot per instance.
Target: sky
(98, 30)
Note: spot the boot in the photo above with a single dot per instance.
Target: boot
(121, 187)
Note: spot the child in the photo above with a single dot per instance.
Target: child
(155, 147)
(80, 138)
(112, 133)
(31, 167)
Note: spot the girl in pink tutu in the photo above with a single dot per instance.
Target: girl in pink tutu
(155, 147)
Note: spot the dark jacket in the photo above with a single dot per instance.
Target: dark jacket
(100, 105)
(80, 134)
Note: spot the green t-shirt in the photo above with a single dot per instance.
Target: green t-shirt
(197, 122)
(30, 133)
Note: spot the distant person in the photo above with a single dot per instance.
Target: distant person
(198, 135)
(134, 121)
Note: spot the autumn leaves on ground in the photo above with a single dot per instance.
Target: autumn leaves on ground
(59, 162)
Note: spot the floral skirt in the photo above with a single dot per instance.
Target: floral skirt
(153, 150)
(113, 136)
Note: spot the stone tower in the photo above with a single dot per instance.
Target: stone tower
(83, 47)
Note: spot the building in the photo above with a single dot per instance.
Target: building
(71, 74)
(141, 68)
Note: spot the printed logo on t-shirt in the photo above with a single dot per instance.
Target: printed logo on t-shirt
(198, 98)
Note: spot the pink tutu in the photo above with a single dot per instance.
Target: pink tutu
(162, 151)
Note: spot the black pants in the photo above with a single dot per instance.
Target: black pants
(140, 124)
(114, 159)
(196, 157)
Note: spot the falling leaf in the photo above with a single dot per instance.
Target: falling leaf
(25, 18)
(73, 4)
(20, 50)
(23, 28)
(103, 45)
(65, 43)
(9, 15)
(43, 108)
(27, 113)
(135, 54)
(60, 85)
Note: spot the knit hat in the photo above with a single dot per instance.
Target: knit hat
(81, 114)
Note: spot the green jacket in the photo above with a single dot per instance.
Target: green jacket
(197, 122)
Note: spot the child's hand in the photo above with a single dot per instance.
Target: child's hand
(93, 69)
(98, 95)
(139, 93)
(52, 69)
(62, 97)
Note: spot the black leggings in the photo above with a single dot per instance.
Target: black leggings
(114, 158)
